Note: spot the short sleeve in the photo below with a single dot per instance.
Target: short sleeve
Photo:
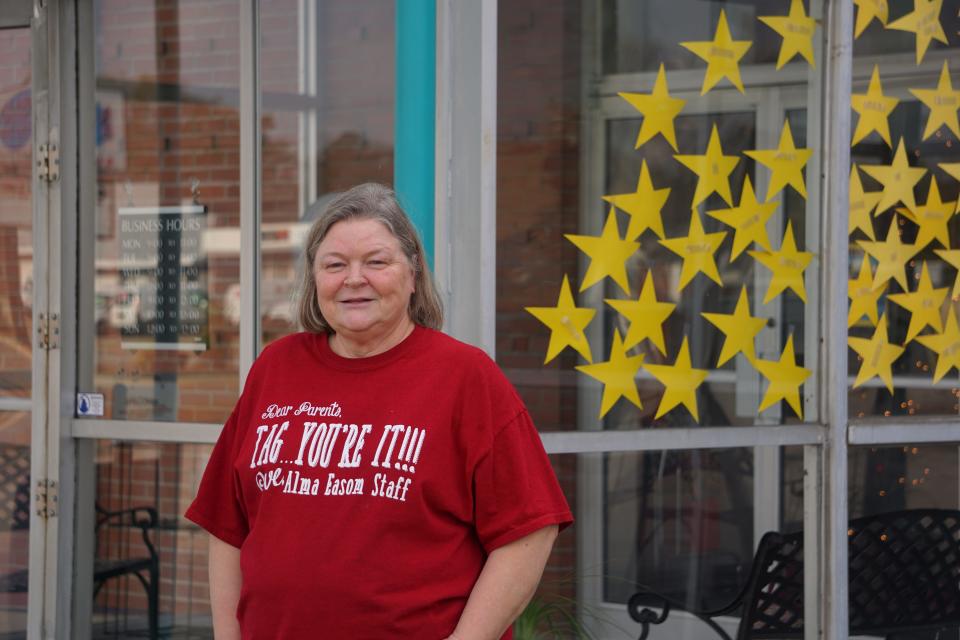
(219, 507)
(515, 489)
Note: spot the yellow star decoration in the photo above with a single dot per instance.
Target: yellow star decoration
(862, 204)
(787, 266)
(797, 32)
(721, 55)
(643, 206)
(897, 178)
(617, 375)
(923, 304)
(946, 345)
(877, 354)
(923, 21)
(713, 170)
(566, 322)
(786, 164)
(867, 10)
(608, 254)
(646, 315)
(739, 329)
(659, 110)
(697, 249)
(874, 109)
(943, 103)
(785, 379)
(681, 381)
(863, 295)
(953, 169)
(932, 218)
(952, 257)
(749, 220)
(891, 256)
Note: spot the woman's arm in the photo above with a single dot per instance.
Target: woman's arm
(225, 579)
(507, 582)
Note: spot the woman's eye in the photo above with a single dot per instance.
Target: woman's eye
(333, 266)
(377, 262)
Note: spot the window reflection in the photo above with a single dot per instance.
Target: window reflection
(679, 523)
(167, 249)
(323, 131)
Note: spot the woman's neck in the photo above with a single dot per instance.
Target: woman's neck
(347, 346)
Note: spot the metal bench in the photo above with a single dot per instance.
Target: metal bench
(904, 575)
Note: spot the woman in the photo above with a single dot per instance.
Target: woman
(377, 479)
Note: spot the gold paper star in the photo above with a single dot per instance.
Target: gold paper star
(943, 103)
(874, 109)
(797, 32)
(713, 170)
(785, 379)
(646, 316)
(739, 329)
(863, 295)
(659, 110)
(786, 163)
(681, 381)
(877, 354)
(932, 217)
(618, 375)
(566, 322)
(696, 249)
(923, 21)
(952, 257)
(867, 10)
(953, 169)
(787, 266)
(721, 55)
(891, 256)
(643, 206)
(923, 304)
(862, 204)
(608, 254)
(946, 345)
(897, 178)
(749, 220)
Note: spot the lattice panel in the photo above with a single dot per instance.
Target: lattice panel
(14, 487)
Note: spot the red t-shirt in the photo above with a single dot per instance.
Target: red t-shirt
(365, 494)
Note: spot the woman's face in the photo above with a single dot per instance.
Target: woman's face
(364, 281)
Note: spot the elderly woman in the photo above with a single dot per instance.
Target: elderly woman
(377, 479)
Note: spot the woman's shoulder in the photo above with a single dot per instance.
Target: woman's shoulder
(285, 350)
(440, 345)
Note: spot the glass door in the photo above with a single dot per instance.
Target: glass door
(16, 325)
(28, 179)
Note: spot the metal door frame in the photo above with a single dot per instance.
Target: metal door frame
(53, 190)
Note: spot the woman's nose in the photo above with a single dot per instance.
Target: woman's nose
(355, 277)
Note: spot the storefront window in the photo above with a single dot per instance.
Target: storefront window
(167, 223)
(904, 186)
(323, 131)
(657, 267)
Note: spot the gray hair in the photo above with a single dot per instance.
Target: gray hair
(370, 201)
